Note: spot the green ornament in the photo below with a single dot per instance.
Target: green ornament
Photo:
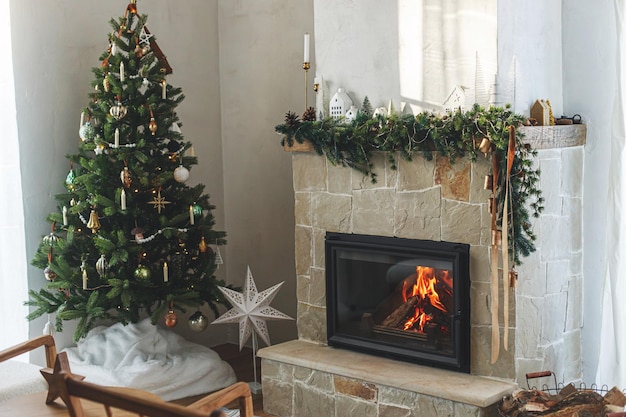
(142, 273)
(69, 180)
(197, 210)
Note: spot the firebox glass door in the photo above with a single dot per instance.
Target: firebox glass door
(395, 299)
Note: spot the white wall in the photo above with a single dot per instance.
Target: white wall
(55, 44)
(589, 83)
(261, 53)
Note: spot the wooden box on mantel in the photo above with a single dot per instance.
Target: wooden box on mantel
(305, 146)
(550, 137)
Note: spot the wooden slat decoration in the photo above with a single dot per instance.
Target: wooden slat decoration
(552, 137)
(305, 146)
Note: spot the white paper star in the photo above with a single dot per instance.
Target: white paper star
(251, 309)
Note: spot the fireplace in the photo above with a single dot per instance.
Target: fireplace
(401, 298)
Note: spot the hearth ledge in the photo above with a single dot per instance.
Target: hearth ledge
(453, 386)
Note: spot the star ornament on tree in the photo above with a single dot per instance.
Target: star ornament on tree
(251, 309)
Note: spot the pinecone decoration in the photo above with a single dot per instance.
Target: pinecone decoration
(292, 119)
(309, 115)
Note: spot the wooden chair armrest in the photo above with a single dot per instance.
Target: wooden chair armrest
(238, 391)
(46, 340)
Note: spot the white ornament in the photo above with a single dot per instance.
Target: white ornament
(251, 309)
(181, 174)
(86, 132)
(351, 114)
(339, 104)
(113, 48)
(380, 111)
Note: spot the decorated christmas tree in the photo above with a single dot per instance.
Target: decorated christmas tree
(129, 237)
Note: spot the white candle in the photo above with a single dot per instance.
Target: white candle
(121, 71)
(191, 219)
(306, 47)
(117, 138)
(84, 279)
(164, 89)
(166, 276)
(82, 118)
(192, 153)
(64, 215)
(123, 199)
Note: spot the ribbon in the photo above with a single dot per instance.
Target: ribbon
(495, 300)
(505, 234)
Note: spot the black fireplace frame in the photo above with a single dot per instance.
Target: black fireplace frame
(457, 253)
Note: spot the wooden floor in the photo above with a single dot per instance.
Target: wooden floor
(242, 365)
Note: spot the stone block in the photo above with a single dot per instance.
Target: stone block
(528, 332)
(529, 365)
(436, 407)
(319, 248)
(302, 237)
(397, 397)
(309, 172)
(332, 212)
(418, 214)
(557, 276)
(467, 410)
(485, 224)
(415, 175)
(385, 410)
(373, 212)
(555, 237)
(391, 171)
(480, 169)
(302, 209)
(277, 370)
(480, 266)
(364, 182)
(576, 263)
(339, 179)
(354, 388)
(532, 277)
(574, 314)
(573, 210)
(311, 323)
(453, 178)
(303, 288)
(278, 398)
(481, 354)
(317, 292)
(550, 184)
(460, 222)
(318, 380)
(554, 308)
(310, 402)
(572, 355)
(572, 171)
(349, 406)
(481, 307)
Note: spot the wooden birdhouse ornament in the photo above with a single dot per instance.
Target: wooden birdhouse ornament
(540, 111)
(339, 104)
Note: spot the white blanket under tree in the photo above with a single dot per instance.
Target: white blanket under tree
(147, 357)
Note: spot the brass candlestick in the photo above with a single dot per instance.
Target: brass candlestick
(306, 66)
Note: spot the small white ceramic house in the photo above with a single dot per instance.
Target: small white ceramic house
(455, 100)
(351, 114)
(380, 111)
(339, 104)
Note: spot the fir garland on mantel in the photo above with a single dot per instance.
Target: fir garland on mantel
(454, 134)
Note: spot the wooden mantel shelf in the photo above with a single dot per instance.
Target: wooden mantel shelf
(552, 137)
(539, 137)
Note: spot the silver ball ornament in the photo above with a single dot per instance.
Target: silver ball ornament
(181, 174)
(87, 132)
(198, 321)
(49, 274)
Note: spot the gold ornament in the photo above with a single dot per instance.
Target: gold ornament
(198, 321)
(49, 273)
(94, 222)
(159, 202)
(202, 246)
(106, 84)
(125, 177)
(138, 51)
(485, 146)
(171, 319)
(118, 111)
(152, 126)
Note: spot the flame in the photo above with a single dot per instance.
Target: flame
(424, 289)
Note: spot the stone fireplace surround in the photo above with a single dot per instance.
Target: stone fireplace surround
(432, 200)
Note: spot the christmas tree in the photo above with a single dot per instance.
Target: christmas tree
(129, 237)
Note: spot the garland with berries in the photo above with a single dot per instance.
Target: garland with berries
(454, 134)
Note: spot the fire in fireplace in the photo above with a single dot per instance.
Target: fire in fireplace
(401, 298)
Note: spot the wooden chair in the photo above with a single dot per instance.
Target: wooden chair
(47, 341)
(148, 405)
